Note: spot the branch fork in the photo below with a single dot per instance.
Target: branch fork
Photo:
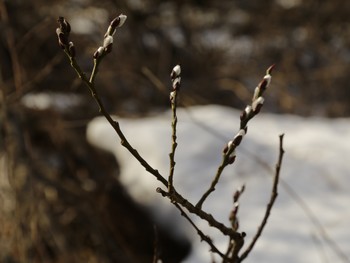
(236, 239)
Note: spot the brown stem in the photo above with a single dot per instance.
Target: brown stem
(174, 143)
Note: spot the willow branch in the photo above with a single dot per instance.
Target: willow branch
(176, 79)
(247, 114)
(203, 237)
(174, 196)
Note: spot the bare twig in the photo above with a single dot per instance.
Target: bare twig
(273, 197)
(175, 197)
(203, 237)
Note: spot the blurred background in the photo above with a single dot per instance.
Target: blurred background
(60, 200)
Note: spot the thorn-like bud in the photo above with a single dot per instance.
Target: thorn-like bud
(176, 83)
(269, 70)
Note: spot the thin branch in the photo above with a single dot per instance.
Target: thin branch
(173, 147)
(176, 79)
(224, 163)
(95, 70)
(273, 197)
(247, 114)
(203, 237)
(175, 197)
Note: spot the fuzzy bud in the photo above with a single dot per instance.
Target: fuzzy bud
(267, 78)
(62, 38)
(269, 70)
(238, 138)
(175, 72)
(227, 147)
(230, 144)
(99, 52)
(107, 41)
(107, 44)
(230, 149)
(172, 96)
(232, 158)
(64, 25)
(263, 85)
(71, 49)
(257, 92)
(116, 22)
(110, 31)
(119, 21)
(248, 110)
(257, 104)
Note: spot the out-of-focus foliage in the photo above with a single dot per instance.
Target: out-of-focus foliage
(222, 46)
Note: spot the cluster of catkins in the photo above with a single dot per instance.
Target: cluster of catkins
(248, 113)
(63, 36)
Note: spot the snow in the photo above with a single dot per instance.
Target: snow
(314, 178)
(51, 100)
